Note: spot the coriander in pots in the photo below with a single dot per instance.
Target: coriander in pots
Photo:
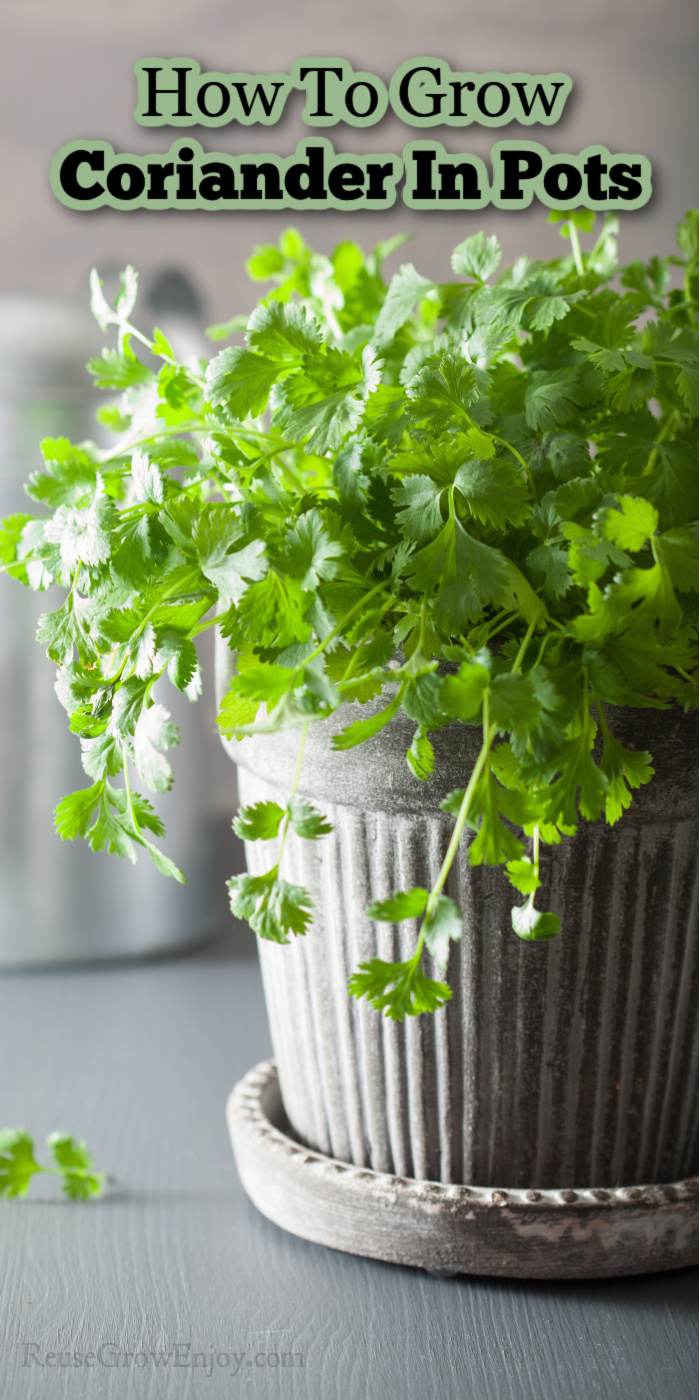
(445, 532)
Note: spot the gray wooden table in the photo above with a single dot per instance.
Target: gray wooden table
(175, 1263)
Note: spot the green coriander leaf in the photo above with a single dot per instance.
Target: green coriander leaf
(385, 416)
(129, 700)
(444, 925)
(283, 331)
(154, 733)
(69, 1153)
(311, 554)
(437, 396)
(242, 379)
(494, 492)
(522, 875)
(273, 908)
(552, 398)
(125, 299)
(643, 599)
(134, 550)
(533, 926)
(589, 556)
(100, 756)
(604, 358)
(421, 756)
(83, 535)
(306, 821)
(75, 813)
(164, 864)
(364, 729)
(621, 767)
(462, 695)
(160, 345)
(399, 989)
(491, 802)
(143, 650)
(579, 774)
(147, 479)
(574, 497)
(552, 564)
(261, 682)
(678, 348)
(567, 455)
(677, 551)
(405, 289)
(70, 626)
(419, 516)
(180, 654)
(528, 293)
(10, 537)
(234, 712)
(405, 904)
(70, 475)
(17, 1161)
(631, 525)
(99, 306)
(261, 822)
(494, 843)
(421, 699)
(230, 571)
(467, 575)
(80, 1180)
(476, 257)
(633, 386)
(515, 705)
(324, 402)
(271, 612)
(265, 262)
(118, 370)
(351, 480)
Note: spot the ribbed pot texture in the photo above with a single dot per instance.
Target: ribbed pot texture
(562, 1064)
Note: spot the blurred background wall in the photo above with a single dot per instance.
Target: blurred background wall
(68, 73)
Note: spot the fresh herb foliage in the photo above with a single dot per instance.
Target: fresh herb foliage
(73, 1163)
(499, 472)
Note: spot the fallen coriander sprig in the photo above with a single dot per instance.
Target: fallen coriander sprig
(18, 1165)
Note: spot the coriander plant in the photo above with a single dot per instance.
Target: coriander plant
(498, 473)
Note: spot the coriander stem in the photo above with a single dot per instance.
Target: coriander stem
(343, 622)
(151, 613)
(203, 626)
(161, 354)
(672, 422)
(576, 248)
(488, 732)
(72, 1171)
(523, 463)
(349, 669)
(292, 791)
(127, 785)
(125, 447)
(504, 623)
(515, 668)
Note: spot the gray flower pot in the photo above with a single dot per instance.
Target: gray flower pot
(569, 1064)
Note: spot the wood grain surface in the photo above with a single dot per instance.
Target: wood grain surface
(174, 1260)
